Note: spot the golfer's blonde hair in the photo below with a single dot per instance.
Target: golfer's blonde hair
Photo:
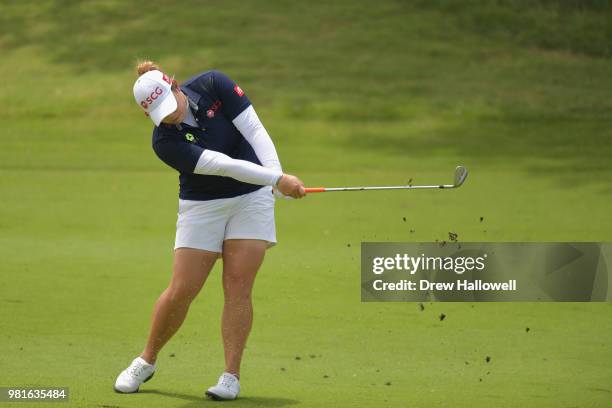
(148, 65)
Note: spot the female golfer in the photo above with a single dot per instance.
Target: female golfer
(208, 130)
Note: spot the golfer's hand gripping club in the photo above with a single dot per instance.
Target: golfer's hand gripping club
(291, 186)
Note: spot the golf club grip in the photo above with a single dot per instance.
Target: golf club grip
(315, 190)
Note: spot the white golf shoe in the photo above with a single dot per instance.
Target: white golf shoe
(137, 373)
(227, 388)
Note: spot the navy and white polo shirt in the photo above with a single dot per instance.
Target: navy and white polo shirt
(215, 100)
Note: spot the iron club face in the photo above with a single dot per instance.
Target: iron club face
(461, 174)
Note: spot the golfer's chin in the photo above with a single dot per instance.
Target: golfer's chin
(173, 122)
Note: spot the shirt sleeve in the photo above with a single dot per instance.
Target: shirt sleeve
(179, 155)
(219, 164)
(189, 158)
(255, 133)
(233, 98)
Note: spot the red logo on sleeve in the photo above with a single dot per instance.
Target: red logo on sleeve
(239, 91)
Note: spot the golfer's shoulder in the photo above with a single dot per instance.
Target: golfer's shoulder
(202, 80)
(211, 81)
(211, 73)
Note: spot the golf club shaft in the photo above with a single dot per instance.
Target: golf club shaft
(460, 176)
(329, 189)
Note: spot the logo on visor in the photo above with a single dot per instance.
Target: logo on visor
(239, 91)
(151, 98)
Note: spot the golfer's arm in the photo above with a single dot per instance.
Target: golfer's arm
(219, 164)
(248, 123)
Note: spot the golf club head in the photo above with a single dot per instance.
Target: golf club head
(460, 176)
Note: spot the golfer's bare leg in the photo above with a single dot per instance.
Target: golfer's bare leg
(190, 270)
(241, 260)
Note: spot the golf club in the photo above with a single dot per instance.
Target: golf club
(460, 176)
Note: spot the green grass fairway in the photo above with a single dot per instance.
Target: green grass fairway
(353, 93)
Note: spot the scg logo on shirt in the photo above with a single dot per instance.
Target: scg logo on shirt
(210, 113)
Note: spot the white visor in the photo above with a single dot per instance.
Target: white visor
(152, 91)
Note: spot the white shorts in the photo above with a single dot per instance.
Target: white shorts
(206, 224)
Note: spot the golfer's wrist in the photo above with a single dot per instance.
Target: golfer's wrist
(278, 179)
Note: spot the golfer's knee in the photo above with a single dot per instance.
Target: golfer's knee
(237, 297)
(180, 294)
